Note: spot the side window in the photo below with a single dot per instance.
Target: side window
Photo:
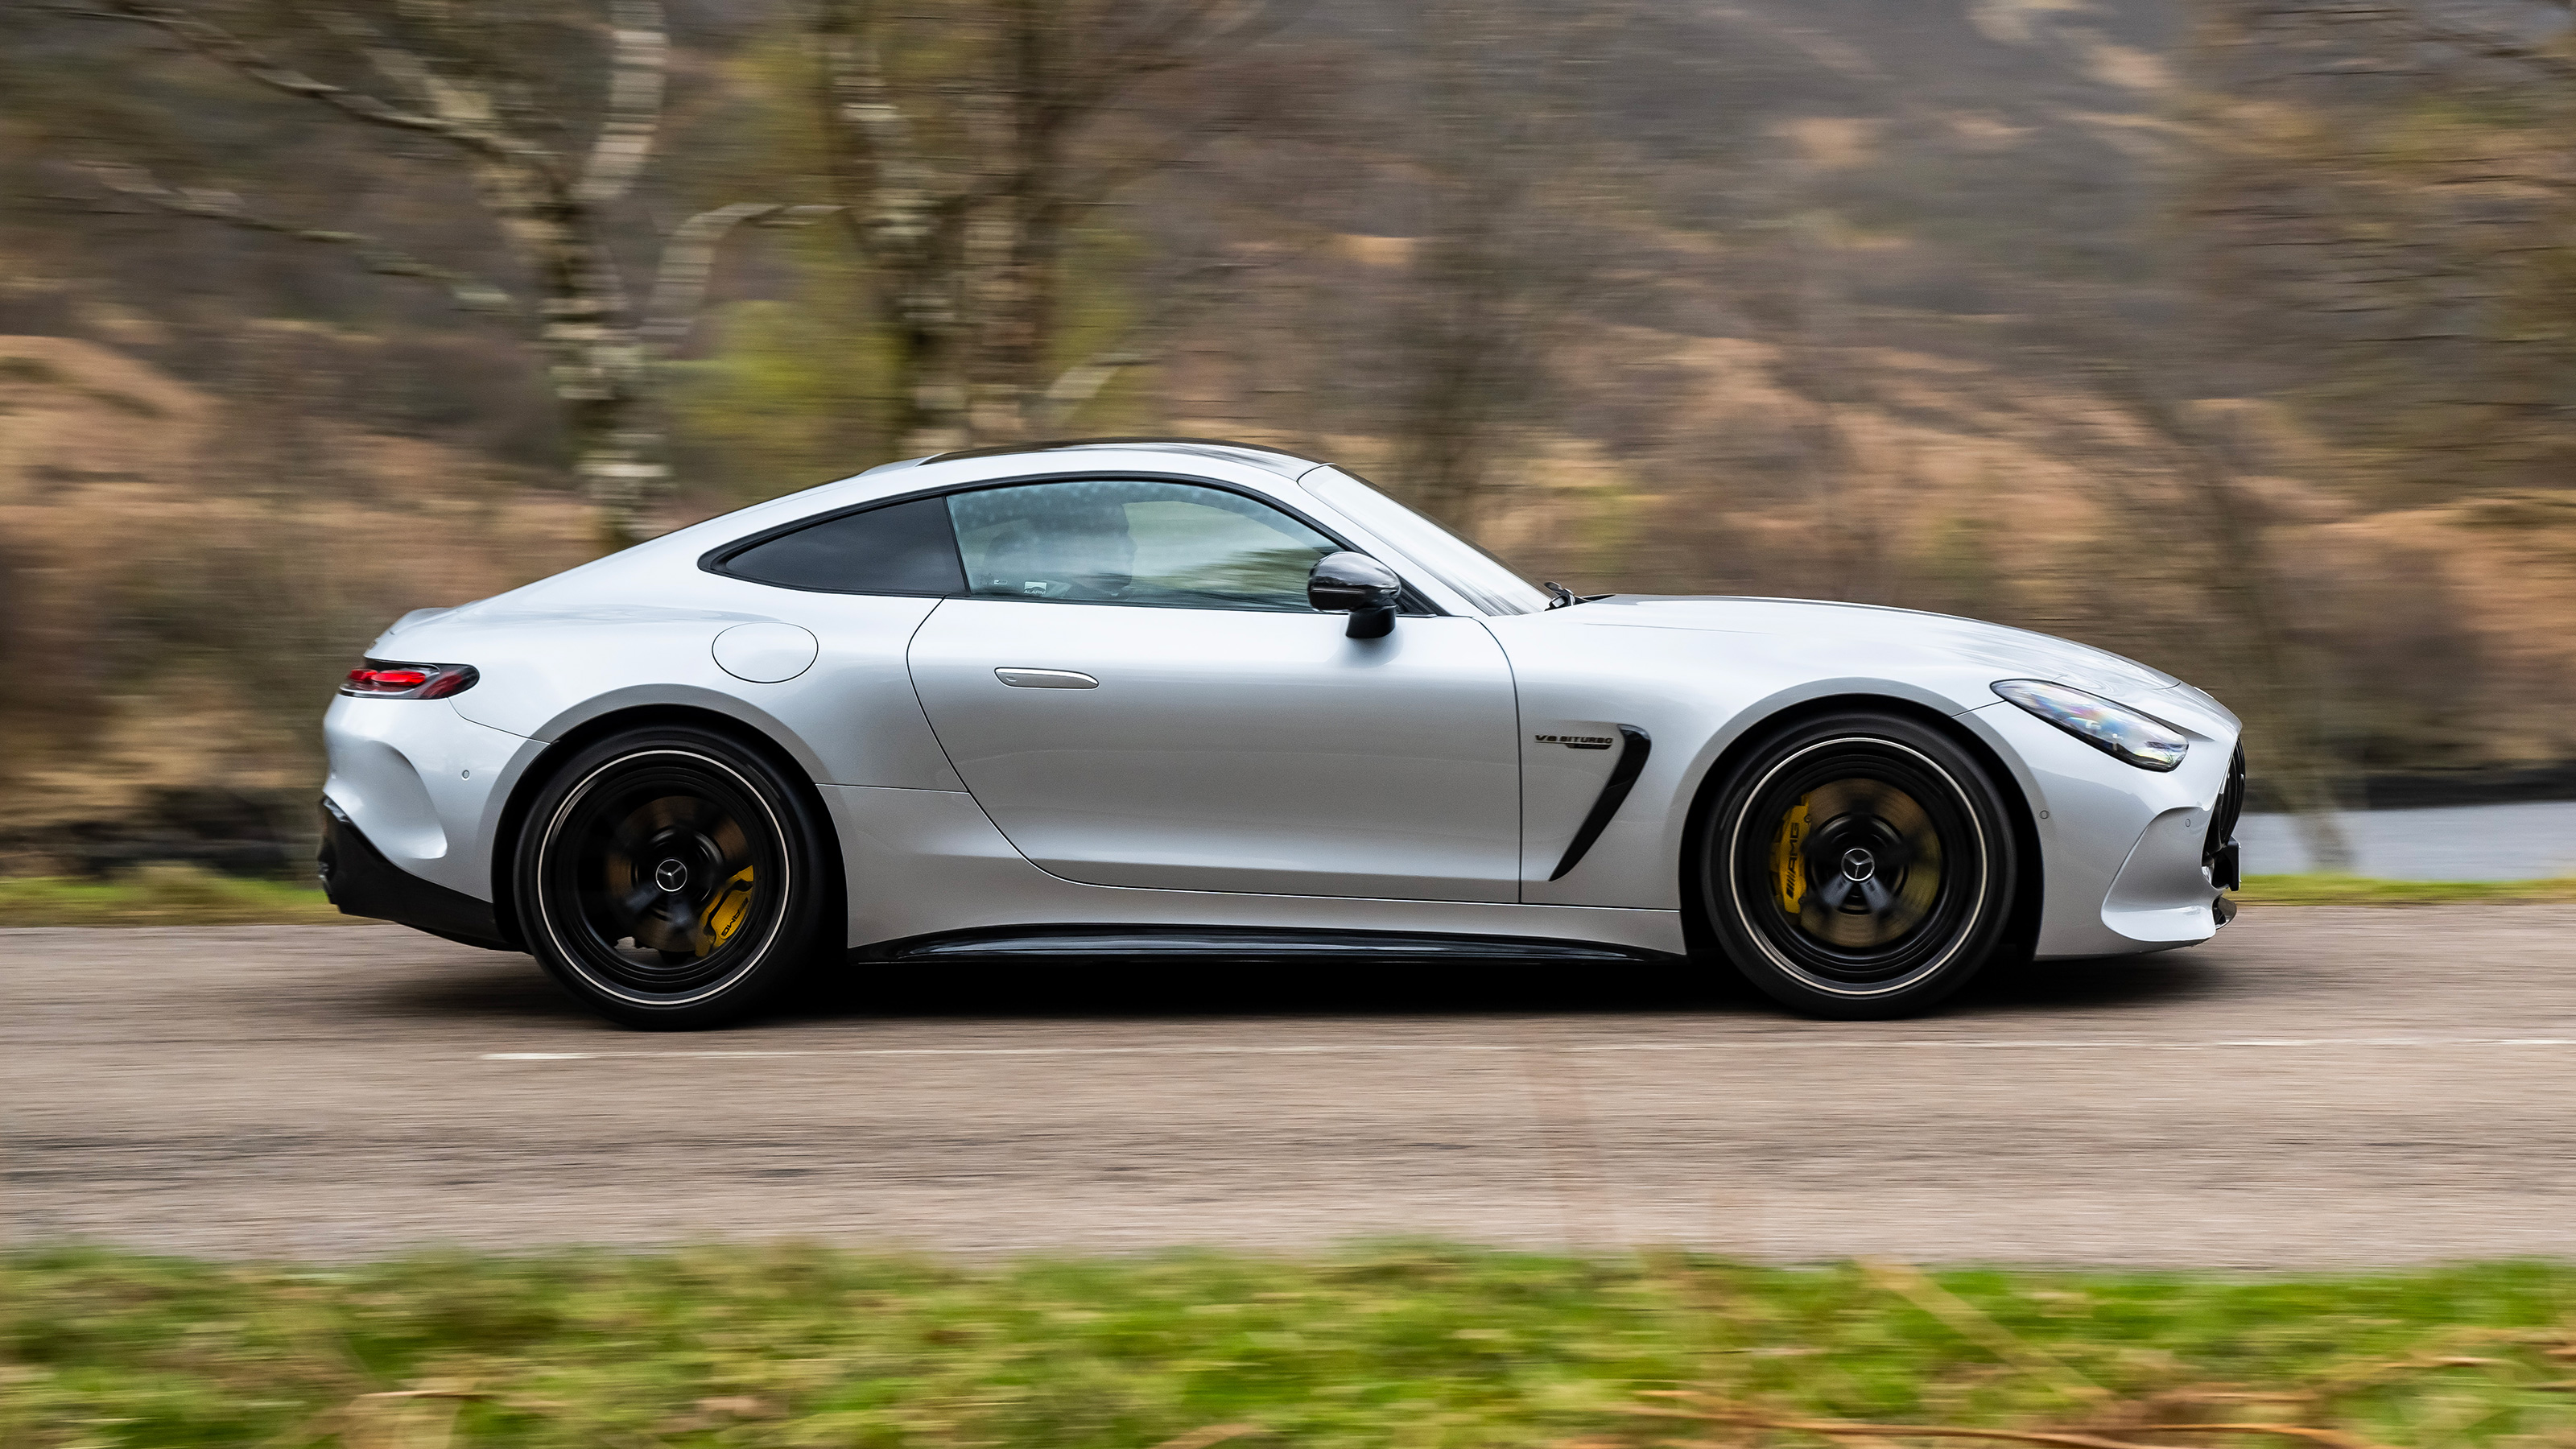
(903, 548)
(1129, 541)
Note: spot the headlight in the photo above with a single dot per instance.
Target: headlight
(2115, 730)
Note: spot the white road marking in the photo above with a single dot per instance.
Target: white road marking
(1419, 1048)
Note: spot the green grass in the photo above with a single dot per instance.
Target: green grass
(170, 895)
(2354, 890)
(1406, 1348)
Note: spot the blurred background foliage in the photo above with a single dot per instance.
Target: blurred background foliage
(2235, 335)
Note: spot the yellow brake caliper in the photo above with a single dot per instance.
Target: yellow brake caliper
(1788, 875)
(724, 915)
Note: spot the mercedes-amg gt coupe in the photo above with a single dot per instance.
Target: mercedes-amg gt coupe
(1125, 702)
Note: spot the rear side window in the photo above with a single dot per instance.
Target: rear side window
(903, 548)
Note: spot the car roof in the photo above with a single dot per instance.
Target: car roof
(1272, 460)
(973, 467)
(1260, 470)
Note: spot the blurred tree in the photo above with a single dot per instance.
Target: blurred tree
(485, 81)
(1500, 246)
(2382, 195)
(2224, 535)
(2379, 200)
(956, 157)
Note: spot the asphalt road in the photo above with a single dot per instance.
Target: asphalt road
(2316, 1087)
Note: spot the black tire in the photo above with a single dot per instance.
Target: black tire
(1858, 866)
(673, 879)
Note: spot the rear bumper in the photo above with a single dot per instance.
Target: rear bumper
(361, 882)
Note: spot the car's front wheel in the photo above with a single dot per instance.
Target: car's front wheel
(1858, 865)
(671, 878)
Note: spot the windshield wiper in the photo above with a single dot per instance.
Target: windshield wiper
(1566, 598)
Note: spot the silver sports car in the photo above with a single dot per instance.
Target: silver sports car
(1139, 699)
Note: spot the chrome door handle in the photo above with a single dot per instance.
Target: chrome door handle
(1046, 679)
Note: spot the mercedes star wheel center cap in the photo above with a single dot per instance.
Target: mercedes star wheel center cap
(1859, 864)
(671, 875)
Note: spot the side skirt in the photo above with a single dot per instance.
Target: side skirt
(1198, 943)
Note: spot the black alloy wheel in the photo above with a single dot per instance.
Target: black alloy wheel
(1858, 866)
(670, 877)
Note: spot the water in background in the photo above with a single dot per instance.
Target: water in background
(2458, 842)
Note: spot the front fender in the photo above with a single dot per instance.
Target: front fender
(1696, 692)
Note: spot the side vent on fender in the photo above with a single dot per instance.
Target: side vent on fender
(1633, 749)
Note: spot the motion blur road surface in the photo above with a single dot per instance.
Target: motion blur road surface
(2316, 1087)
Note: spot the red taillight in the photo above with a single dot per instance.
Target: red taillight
(379, 680)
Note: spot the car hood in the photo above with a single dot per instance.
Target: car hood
(2010, 653)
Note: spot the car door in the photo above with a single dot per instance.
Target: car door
(1136, 691)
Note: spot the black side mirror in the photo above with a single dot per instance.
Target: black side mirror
(1360, 585)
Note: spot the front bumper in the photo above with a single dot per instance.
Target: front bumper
(2134, 859)
(361, 882)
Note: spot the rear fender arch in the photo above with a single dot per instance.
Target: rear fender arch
(739, 724)
(586, 717)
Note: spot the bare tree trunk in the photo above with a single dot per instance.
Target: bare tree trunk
(1493, 270)
(902, 222)
(1844, 538)
(2285, 712)
(964, 249)
(1461, 344)
(546, 206)
(2244, 582)
(1021, 227)
(594, 351)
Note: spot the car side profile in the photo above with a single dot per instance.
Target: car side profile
(1144, 699)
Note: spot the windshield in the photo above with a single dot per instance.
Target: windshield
(1474, 573)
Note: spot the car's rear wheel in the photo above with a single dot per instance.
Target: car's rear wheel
(671, 878)
(1858, 865)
